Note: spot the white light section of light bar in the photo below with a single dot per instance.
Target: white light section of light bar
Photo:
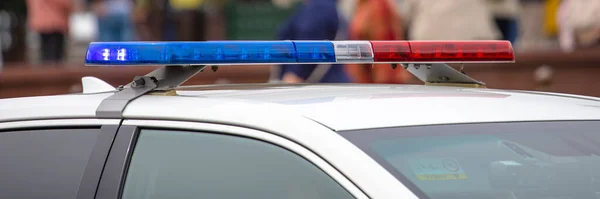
(353, 51)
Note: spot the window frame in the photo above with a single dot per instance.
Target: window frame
(108, 128)
(115, 172)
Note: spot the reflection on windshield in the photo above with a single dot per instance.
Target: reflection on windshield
(491, 160)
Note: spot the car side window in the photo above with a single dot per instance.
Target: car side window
(179, 164)
(44, 163)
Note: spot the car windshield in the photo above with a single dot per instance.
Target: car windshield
(490, 160)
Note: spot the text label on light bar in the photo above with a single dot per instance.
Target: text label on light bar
(298, 52)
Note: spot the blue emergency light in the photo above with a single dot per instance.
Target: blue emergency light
(211, 52)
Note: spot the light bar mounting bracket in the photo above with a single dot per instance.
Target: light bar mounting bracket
(164, 78)
(439, 73)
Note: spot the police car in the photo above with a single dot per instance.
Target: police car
(155, 139)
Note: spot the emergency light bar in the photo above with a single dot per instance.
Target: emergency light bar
(296, 52)
(182, 60)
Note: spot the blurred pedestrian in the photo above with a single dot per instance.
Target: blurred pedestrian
(189, 19)
(314, 20)
(450, 20)
(50, 18)
(551, 17)
(579, 24)
(148, 19)
(506, 16)
(114, 19)
(13, 31)
(376, 20)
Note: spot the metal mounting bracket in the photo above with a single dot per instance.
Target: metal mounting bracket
(164, 78)
(437, 73)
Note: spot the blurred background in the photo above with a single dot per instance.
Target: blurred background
(43, 42)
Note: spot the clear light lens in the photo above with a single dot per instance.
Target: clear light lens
(353, 51)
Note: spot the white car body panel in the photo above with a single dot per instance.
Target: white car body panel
(57, 123)
(363, 107)
(50, 107)
(337, 107)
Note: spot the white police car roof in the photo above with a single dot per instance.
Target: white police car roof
(339, 107)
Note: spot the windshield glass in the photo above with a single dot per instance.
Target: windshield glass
(495, 160)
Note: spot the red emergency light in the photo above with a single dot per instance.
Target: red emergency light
(442, 51)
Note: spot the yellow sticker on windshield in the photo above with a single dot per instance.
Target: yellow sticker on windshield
(437, 169)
